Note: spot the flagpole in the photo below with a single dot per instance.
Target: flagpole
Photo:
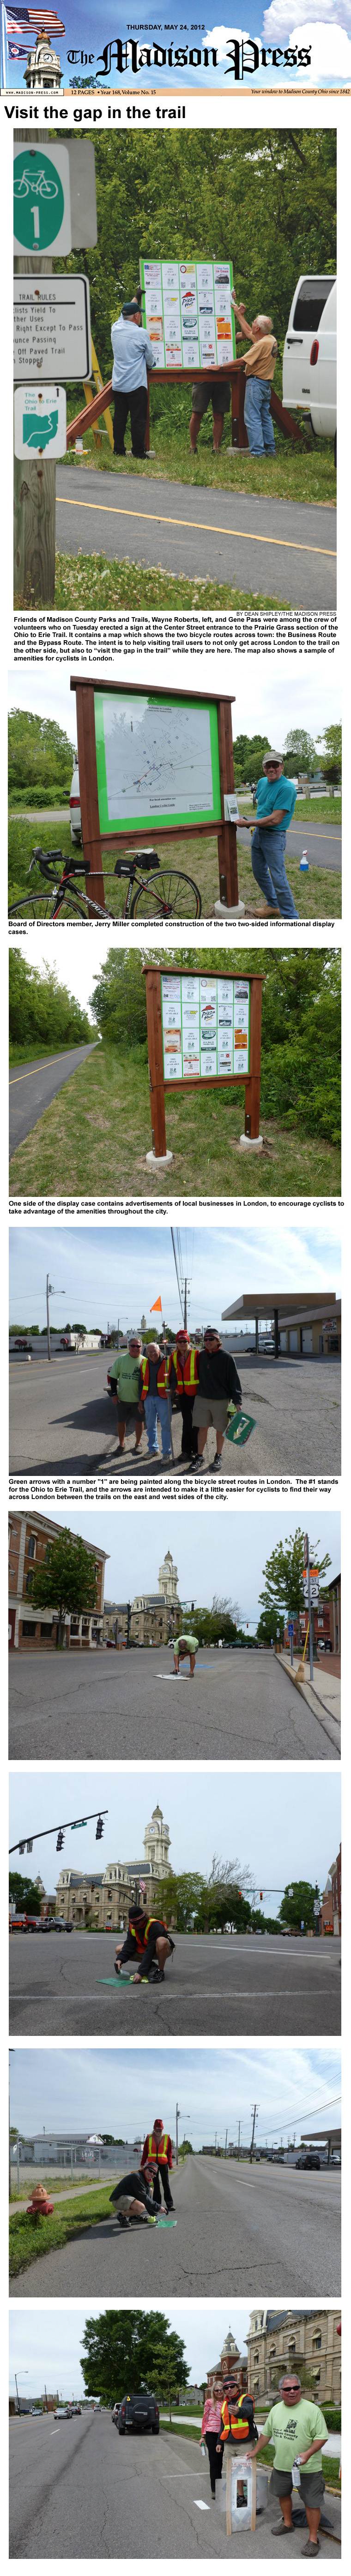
(168, 1397)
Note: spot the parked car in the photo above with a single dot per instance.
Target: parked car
(308, 2164)
(324, 1646)
(62, 2414)
(138, 2414)
(58, 1924)
(76, 2410)
(74, 808)
(309, 356)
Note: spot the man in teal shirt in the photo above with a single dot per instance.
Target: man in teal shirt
(298, 2430)
(125, 1381)
(276, 800)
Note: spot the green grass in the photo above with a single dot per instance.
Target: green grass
(37, 1054)
(27, 2240)
(53, 2182)
(316, 895)
(297, 473)
(191, 2433)
(95, 1136)
(89, 581)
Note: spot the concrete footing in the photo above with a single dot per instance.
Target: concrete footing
(159, 1161)
(253, 1144)
(229, 911)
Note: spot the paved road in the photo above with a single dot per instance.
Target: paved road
(57, 1701)
(214, 1985)
(283, 549)
(62, 1421)
(322, 842)
(33, 1086)
(77, 2491)
(234, 2222)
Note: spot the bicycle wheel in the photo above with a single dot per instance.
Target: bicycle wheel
(167, 897)
(28, 905)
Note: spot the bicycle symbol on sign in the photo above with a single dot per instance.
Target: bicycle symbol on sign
(41, 186)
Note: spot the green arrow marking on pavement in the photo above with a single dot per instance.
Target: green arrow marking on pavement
(39, 203)
(240, 1429)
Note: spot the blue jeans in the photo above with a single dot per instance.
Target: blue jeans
(156, 1410)
(268, 866)
(257, 416)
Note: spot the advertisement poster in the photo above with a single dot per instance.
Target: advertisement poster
(205, 1027)
(105, 52)
(188, 312)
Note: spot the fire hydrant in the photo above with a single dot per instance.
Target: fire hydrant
(39, 2206)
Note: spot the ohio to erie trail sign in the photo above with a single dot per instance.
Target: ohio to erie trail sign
(203, 1031)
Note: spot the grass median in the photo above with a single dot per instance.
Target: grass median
(191, 2433)
(317, 895)
(94, 1138)
(29, 2238)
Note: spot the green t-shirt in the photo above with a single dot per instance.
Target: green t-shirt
(192, 1642)
(127, 1371)
(292, 2429)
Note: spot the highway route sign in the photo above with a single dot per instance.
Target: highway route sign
(40, 421)
(51, 329)
(41, 200)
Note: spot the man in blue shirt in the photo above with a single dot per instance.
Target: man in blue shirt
(131, 357)
(275, 805)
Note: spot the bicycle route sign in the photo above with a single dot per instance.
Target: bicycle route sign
(41, 201)
(40, 421)
(157, 761)
(51, 328)
(188, 312)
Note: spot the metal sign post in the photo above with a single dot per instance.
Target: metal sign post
(310, 1589)
(54, 212)
(212, 1019)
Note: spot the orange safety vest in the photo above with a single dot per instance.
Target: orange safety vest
(162, 1377)
(159, 2153)
(141, 1938)
(188, 1376)
(234, 2424)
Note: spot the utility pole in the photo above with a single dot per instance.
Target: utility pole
(239, 2140)
(185, 1308)
(177, 2118)
(48, 1312)
(306, 1559)
(255, 2108)
(225, 2150)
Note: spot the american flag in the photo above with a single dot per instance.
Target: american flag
(18, 21)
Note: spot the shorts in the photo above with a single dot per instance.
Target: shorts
(218, 395)
(127, 1412)
(311, 2485)
(217, 1413)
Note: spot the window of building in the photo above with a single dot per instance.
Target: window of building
(29, 1580)
(46, 1627)
(291, 2344)
(28, 1627)
(316, 2343)
(31, 1544)
(272, 2352)
(47, 1554)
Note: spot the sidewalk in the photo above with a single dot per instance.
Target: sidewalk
(324, 1693)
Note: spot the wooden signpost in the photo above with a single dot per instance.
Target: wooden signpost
(204, 1030)
(164, 754)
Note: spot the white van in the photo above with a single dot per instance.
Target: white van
(74, 807)
(309, 359)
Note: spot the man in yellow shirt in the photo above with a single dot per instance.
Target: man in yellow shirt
(259, 363)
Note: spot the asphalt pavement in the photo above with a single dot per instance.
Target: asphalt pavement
(321, 841)
(63, 1422)
(283, 549)
(236, 2224)
(216, 1984)
(33, 1086)
(243, 1706)
(78, 2491)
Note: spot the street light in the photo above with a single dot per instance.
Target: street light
(180, 2115)
(51, 1292)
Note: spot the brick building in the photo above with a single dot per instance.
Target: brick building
(104, 1896)
(231, 2360)
(150, 1618)
(331, 1900)
(305, 2338)
(30, 1538)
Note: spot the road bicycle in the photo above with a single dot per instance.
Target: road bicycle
(153, 892)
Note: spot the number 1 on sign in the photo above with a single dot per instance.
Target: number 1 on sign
(35, 214)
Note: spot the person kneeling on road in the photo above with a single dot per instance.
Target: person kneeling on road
(183, 1646)
(219, 1385)
(293, 2422)
(132, 2199)
(146, 1939)
(275, 806)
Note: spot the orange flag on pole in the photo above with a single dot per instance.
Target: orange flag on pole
(157, 1308)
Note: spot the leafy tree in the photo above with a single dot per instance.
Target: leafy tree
(332, 755)
(166, 2365)
(40, 1009)
(298, 1908)
(40, 759)
(299, 752)
(130, 2348)
(220, 1621)
(249, 753)
(24, 1894)
(68, 1581)
(182, 1896)
(283, 1595)
(185, 2150)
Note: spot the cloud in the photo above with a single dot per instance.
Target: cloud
(335, 14)
(221, 37)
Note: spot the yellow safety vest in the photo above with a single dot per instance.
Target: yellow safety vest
(158, 2154)
(237, 2425)
(188, 1376)
(161, 1376)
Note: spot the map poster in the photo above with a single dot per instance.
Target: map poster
(188, 312)
(157, 761)
(205, 1027)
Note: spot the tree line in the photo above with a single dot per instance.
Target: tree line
(42, 1012)
(301, 1025)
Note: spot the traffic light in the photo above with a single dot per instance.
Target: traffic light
(261, 1895)
(60, 1839)
(21, 1847)
(305, 1548)
(99, 1830)
(30, 1845)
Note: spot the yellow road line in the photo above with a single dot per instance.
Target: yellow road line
(35, 1068)
(109, 509)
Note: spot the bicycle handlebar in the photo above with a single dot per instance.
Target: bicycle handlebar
(46, 859)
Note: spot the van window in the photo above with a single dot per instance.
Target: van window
(312, 297)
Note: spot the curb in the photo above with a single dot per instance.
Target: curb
(332, 1727)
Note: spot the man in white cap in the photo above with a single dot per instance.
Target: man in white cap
(275, 806)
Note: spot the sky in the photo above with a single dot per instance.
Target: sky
(105, 1272)
(325, 23)
(228, 1561)
(267, 1819)
(304, 695)
(47, 2346)
(116, 2089)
